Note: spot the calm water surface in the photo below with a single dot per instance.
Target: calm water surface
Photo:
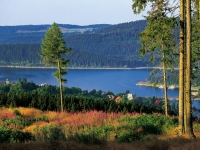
(116, 81)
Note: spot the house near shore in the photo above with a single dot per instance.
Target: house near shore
(130, 96)
(4, 83)
(111, 97)
(118, 99)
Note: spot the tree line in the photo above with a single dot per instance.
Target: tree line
(47, 97)
(27, 55)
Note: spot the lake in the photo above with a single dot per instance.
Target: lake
(117, 81)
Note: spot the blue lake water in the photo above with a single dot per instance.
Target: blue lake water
(117, 81)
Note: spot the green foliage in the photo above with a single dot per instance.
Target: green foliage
(53, 51)
(158, 37)
(5, 88)
(195, 36)
(84, 127)
(129, 136)
(139, 5)
(23, 86)
(20, 121)
(51, 134)
(17, 113)
(28, 94)
(196, 125)
(10, 136)
(154, 124)
(90, 138)
(45, 102)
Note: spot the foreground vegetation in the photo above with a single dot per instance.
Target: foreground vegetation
(46, 97)
(30, 117)
(87, 130)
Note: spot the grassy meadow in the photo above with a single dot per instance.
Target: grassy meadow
(28, 128)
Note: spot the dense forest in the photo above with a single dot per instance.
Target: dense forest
(93, 46)
(46, 97)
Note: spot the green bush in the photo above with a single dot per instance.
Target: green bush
(17, 112)
(10, 136)
(90, 138)
(154, 124)
(129, 137)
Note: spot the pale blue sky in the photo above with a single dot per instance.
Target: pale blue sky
(79, 12)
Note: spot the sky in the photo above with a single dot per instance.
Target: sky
(77, 12)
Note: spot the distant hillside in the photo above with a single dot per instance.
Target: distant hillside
(118, 41)
(34, 33)
(93, 46)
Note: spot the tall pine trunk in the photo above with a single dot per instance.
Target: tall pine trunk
(189, 128)
(181, 68)
(185, 66)
(165, 82)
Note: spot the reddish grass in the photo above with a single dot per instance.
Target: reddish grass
(167, 141)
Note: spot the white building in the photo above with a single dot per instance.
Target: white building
(129, 96)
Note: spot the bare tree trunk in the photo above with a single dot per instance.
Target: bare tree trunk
(181, 69)
(185, 66)
(60, 83)
(165, 82)
(189, 128)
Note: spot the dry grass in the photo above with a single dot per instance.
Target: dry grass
(29, 112)
(31, 128)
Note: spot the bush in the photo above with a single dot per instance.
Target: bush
(129, 137)
(85, 138)
(154, 124)
(10, 136)
(17, 112)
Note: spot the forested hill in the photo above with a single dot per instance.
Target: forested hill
(24, 34)
(117, 41)
(93, 46)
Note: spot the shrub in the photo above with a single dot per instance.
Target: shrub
(154, 124)
(90, 138)
(129, 137)
(10, 136)
(17, 112)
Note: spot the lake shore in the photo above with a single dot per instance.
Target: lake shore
(161, 86)
(157, 86)
(40, 67)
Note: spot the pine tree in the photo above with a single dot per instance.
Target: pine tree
(158, 39)
(53, 50)
(188, 103)
(181, 66)
(196, 35)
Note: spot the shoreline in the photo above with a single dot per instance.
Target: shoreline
(80, 68)
(159, 86)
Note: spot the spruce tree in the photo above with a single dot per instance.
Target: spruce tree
(188, 103)
(158, 39)
(53, 52)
